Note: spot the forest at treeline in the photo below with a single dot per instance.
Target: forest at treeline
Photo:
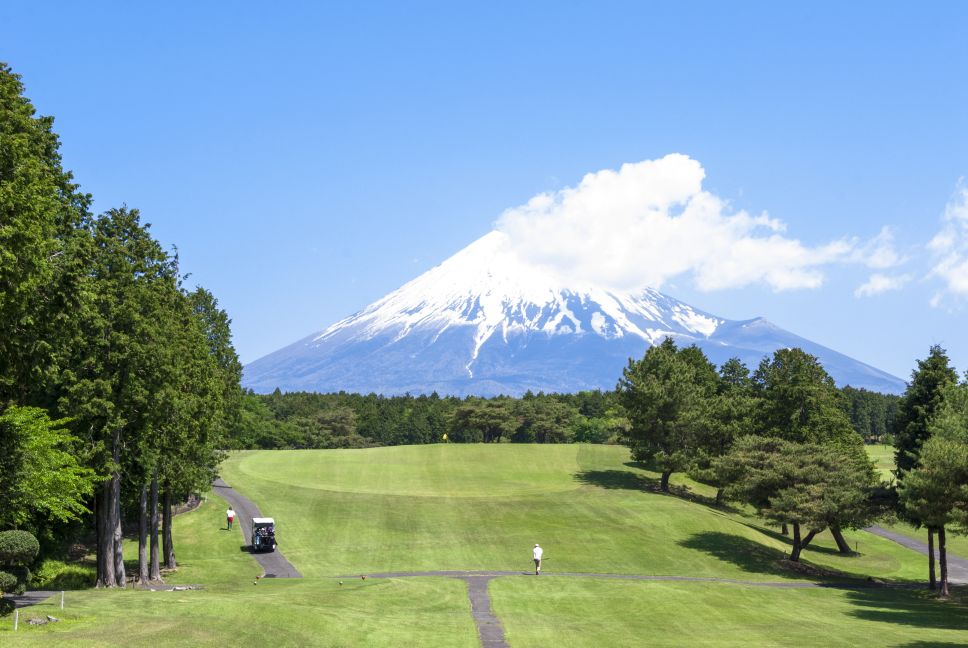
(311, 420)
(120, 394)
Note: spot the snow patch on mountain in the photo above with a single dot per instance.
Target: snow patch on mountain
(485, 322)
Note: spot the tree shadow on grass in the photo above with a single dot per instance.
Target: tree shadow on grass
(918, 608)
(627, 480)
(748, 555)
(618, 479)
(813, 547)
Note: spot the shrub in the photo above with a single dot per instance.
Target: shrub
(58, 575)
(18, 547)
(8, 582)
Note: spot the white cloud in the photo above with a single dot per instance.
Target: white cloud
(651, 221)
(949, 248)
(879, 253)
(879, 283)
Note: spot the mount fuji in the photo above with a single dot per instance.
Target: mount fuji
(485, 322)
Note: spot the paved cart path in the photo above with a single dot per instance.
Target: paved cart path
(957, 567)
(274, 563)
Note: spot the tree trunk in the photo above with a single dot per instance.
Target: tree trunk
(143, 535)
(117, 535)
(943, 560)
(838, 535)
(809, 538)
(155, 565)
(797, 544)
(932, 581)
(105, 539)
(784, 530)
(719, 497)
(664, 484)
(167, 546)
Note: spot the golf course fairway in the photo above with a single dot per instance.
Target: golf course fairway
(342, 514)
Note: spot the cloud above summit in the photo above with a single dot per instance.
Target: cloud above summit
(650, 222)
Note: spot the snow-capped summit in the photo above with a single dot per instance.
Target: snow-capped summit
(485, 322)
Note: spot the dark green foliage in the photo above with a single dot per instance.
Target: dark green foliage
(924, 396)
(18, 547)
(669, 397)
(732, 413)
(309, 420)
(17, 550)
(872, 414)
(798, 401)
(107, 366)
(484, 421)
(809, 485)
(39, 207)
(8, 581)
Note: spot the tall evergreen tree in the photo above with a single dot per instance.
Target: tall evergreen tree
(109, 390)
(922, 399)
(40, 208)
(667, 395)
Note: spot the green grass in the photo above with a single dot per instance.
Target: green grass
(580, 613)
(883, 457)
(230, 610)
(482, 507)
(408, 508)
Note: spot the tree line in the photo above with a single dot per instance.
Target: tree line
(780, 439)
(344, 420)
(297, 420)
(118, 384)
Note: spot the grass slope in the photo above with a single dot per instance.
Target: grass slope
(482, 507)
(410, 508)
(579, 613)
(231, 611)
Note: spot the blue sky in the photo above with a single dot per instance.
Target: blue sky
(308, 158)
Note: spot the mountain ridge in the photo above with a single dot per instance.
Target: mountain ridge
(484, 322)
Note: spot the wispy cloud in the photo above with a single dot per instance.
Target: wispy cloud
(949, 248)
(881, 283)
(651, 221)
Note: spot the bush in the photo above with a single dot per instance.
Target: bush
(18, 547)
(8, 582)
(58, 575)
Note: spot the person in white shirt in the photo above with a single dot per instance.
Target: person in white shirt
(230, 517)
(538, 551)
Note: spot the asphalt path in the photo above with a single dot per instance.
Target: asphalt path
(274, 563)
(957, 567)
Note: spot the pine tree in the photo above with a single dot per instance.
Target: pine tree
(668, 395)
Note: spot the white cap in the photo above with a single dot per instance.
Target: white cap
(535, 544)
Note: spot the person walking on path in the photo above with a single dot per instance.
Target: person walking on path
(230, 518)
(538, 551)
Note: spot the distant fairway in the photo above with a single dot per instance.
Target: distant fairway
(455, 470)
(481, 507)
(883, 458)
(434, 507)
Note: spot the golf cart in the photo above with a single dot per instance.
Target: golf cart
(263, 534)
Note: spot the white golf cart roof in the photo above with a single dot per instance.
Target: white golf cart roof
(263, 521)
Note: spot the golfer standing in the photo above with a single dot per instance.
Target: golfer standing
(538, 551)
(230, 517)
